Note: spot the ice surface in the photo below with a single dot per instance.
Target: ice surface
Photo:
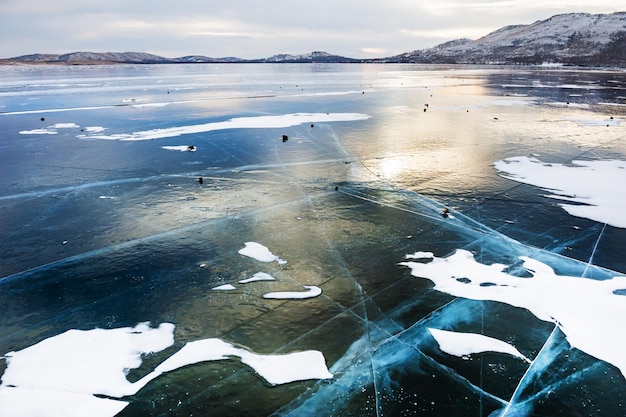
(590, 183)
(344, 201)
(260, 253)
(593, 122)
(463, 344)
(579, 306)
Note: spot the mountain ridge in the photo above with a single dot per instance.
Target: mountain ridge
(581, 39)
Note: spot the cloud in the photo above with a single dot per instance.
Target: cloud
(374, 51)
(449, 33)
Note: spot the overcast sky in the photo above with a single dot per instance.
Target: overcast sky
(261, 28)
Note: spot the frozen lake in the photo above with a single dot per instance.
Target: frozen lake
(289, 240)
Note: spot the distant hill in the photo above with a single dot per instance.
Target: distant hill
(78, 58)
(315, 56)
(574, 38)
(92, 57)
(581, 39)
(199, 59)
(84, 58)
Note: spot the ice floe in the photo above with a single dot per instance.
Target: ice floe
(260, 253)
(580, 307)
(311, 292)
(464, 344)
(596, 186)
(61, 375)
(258, 122)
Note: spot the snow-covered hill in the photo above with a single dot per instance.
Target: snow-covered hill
(315, 56)
(94, 57)
(145, 58)
(573, 38)
(117, 58)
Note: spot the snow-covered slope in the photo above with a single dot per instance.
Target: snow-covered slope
(560, 29)
(577, 38)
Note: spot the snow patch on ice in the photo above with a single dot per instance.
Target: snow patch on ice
(50, 130)
(180, 148)
(259, 276)
(225, 287)
(311, 292)
(86, 361)
(260, 253)
(421, 255)
(464, 344)
(60, 376)
(259, 122)
(275, 369)
(42, 131)
(596, 185)
(64, 126)
(581, 307)
(29, 402)
(144, 105)
(64, 109)
(595, 122)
